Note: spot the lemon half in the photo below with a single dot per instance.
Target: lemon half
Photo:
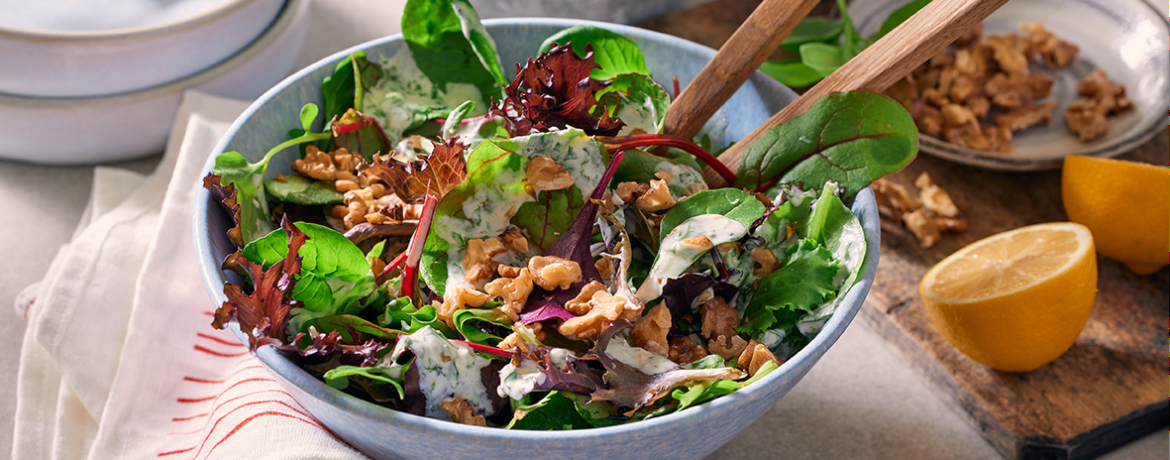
(1017, 300)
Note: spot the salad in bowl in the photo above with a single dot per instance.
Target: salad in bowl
(533, 252)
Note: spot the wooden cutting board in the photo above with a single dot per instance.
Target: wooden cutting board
(1105, 392)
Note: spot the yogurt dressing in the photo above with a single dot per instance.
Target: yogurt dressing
(445, 370)
(675, 255)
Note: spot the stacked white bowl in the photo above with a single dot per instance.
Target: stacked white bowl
(88, 81)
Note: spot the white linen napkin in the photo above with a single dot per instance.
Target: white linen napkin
(119, 359)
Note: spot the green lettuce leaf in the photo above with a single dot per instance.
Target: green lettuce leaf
(552, 413)
(804, 282)
(614, 53)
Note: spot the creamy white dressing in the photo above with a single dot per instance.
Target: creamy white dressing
(642, 360)
(559, 357)
(515, 382)
(404, 96)
(579, 154)
(684, 177)
(445, 370)
(641, 115)
(674, 255)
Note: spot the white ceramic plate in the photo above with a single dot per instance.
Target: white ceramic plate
(1127, 38)
(105, 129)
(88, 63)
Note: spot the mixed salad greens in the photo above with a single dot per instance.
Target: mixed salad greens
(535, 253)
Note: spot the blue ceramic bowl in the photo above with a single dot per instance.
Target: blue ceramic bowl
(384, 433)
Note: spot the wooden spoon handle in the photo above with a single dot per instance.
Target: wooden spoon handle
(879, 66)
(743, 53)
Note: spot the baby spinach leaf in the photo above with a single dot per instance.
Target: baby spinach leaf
(822, 57)
(733, 203)
(481, 42)
(327, 255)
(637, 101)
(553, 412)
(435, 32)
(339, 90)
(302, 190)
(613, 52)
(791, 72)
(802, 283)
(810, 30)
(852, 138)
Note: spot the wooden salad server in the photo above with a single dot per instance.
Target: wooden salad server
(737, 59)
(894, 56)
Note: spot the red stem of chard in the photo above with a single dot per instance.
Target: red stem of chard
(390, 267)
(410, 272)
(486, 349)
(667, 140)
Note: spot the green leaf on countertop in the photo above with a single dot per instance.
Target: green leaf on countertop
(812, 29)
(791, 72)
(614, 53)
(897, 17)
(851, 138)
(326, 257)
(850, 40)
(437, 31)
(822, 57)
(732, 203)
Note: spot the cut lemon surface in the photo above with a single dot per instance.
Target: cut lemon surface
(1017, 300)
(1124, 204)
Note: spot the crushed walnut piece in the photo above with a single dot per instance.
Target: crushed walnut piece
(981, 90)
(684, 350)
(658, 198)
(457, 299)
(927, 216)
(630, 191)
(1087, 117)
(718, 326)
(460, 411)
(579, 305)
(513, 291)
(544, 173)
(650, 331)
(603, 309)
(767, 261)
(551, 272)
(477, 260)
(754, 355)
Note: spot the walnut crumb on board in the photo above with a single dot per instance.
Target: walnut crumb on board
(927, 216)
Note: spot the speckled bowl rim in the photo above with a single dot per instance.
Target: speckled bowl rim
(89, 37)
(864, 206)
